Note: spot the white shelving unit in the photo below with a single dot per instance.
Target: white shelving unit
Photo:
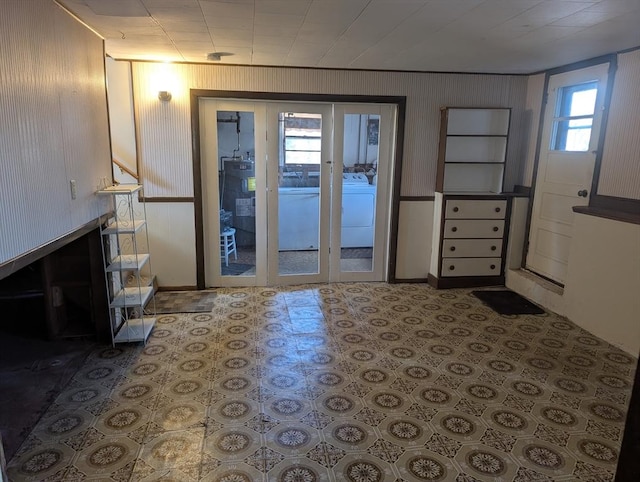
(470, 210)
(473, 150)
(127, 266)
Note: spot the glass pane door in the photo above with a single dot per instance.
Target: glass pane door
(233, 209)
(299, 145)
(237, 187)
(362, 152)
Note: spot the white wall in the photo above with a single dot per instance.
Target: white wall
(164, 128)
(120, 98)
(602, 292)
(620, 170)
(172, 243)
(415, 224)
(53, 125)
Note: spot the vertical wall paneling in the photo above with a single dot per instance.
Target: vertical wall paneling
(172, 243)
(535, 91)
(415, 224)
(620, 167)
(164, 128)
(53, 125)
(120, 98)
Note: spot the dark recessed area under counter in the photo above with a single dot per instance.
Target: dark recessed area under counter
(61, 295)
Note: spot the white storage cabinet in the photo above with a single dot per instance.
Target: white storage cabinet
(470, 213)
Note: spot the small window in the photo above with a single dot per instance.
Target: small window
(302, 139)
(573, 119)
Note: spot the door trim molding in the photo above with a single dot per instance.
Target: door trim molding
(197, 94)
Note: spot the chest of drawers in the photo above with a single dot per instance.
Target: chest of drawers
(471, 240)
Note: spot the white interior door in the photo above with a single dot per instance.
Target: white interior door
(570, 134)
(233, 166)
(299, 145)
(363, 144)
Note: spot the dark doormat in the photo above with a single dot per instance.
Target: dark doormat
(183, 302)
(507, 302)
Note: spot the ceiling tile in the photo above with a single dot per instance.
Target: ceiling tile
(225, 9)
(278, 40)
(337, 12)
(187, 27)
(275, 30)
(151, 4)
(189, 36)
(584, 18)
(214, 21)
(377, 20)
(437, 35)
(279, 19)
(298, 7)
(118, 8)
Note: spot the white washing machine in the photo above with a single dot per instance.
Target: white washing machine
(298, 228)
(358, 211)
(298, 225)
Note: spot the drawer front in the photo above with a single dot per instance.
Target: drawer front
(475, 209)
(473, 228)
(471, 267)
(471, 248)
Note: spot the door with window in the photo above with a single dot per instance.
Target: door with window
(295, 192)
(234, 202)
(570, 136)
(299, 146)
(363, 146)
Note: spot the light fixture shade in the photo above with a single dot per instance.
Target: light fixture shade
(164, 95)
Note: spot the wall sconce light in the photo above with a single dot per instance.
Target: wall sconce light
(164, 95)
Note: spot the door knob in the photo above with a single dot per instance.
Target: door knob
(583, 193)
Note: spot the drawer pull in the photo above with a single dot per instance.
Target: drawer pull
(493, 266)
(452, 267)
(452, 248)
(493, 248)
(495, 229)
(454, 229)
(456, 209)
(498, 210)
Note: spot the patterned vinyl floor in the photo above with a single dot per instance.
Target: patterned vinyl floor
(360, 382)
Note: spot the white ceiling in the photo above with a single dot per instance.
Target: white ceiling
(501, 36)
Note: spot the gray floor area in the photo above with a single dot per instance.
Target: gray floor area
(32, 374)
(341, 382)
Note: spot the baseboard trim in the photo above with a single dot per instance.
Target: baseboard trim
(178, 288)
(410, 280)
(465, 282)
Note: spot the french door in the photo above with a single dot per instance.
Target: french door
(295, 192)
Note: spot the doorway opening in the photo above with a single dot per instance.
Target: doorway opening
(294, 193)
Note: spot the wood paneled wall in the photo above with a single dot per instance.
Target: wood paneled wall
(53, 125)
(164, 127)
(620, 169)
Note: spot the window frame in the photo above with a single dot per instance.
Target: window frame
(561, 123)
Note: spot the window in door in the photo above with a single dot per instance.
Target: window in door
(301, 137)
(572, 123)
